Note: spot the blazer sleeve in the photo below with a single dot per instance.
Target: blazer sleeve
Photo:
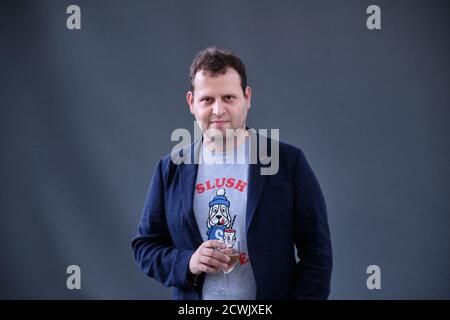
(312, 236)
(153, 248)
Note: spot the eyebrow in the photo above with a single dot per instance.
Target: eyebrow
(225, 95)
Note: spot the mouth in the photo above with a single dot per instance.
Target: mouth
(219, 122)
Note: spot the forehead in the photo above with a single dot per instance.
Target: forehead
(229, 82)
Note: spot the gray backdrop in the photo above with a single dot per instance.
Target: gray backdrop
(86, 114)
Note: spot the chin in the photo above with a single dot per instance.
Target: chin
(219, 129)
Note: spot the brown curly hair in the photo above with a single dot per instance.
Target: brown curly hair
(217, 61)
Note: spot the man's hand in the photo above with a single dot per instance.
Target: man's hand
(208, 259)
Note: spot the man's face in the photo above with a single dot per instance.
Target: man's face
(218, 101)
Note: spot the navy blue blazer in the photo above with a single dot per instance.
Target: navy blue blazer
(284, 210)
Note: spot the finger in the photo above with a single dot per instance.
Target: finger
(211, 262)
(215, 254)
(208, 269)
(214, 244)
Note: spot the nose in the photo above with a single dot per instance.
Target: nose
(219, 216)
(218, 109)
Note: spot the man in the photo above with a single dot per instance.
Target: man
(192, 208)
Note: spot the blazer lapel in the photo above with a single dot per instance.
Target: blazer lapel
(255, 182)
(188, 176)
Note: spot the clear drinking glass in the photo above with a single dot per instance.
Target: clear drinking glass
(233, 250)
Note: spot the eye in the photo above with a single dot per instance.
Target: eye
(228, 98)
(223, 210)
(215, 210)
(206, 100)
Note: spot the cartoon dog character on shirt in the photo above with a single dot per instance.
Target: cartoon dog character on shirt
(219, 217)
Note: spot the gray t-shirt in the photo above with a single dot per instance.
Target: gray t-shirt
(220, 203)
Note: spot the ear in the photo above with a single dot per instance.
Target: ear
(248, 96)
(190, 101)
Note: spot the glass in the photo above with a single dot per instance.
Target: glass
(232, 249)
